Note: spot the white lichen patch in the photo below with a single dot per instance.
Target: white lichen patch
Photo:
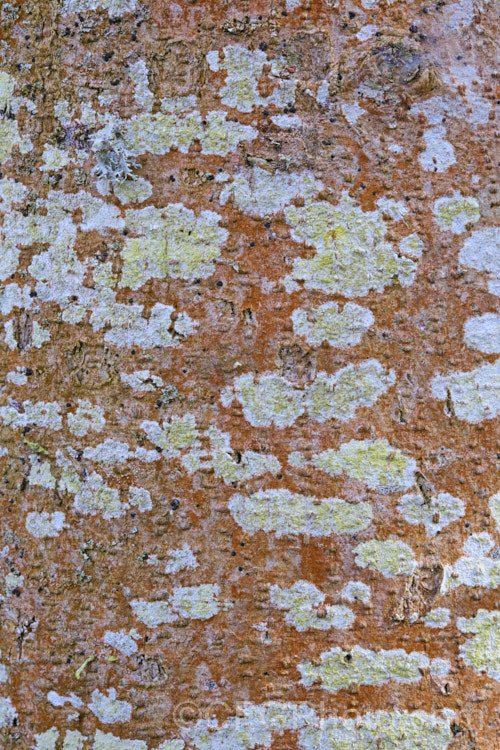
(483, 333)
(475, 567)
(261, 193)
(60, 700)
(381, 730)
(390, 557)
(114, 7)
(274, 400)
(9, 130)
(180, 559)
(356, 591)
(7, 712)
(455, 213)
(141, 380)
(112, 452)
(439, 153)
(130, 328)
(225, 463)
(133, 191)
(138, 72)
(482, 251)
(495, 508)
(302, 603)
(374, 462)
(108, 708)
(253, 727)
(42, 525)
(192, 602)
(122, 641)
(13, 581)
(352, 256)
(284, 512)
(41, 414)
(91, 494)
(472, 396)
(171, 241)
(108, 741)
(482, 652)
(341, 669)
(437, 618)
(87, 417)
(73, 740)
(434, 514)
(326, 323)
(352, 112)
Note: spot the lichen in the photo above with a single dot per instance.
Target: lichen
(437, 618)
(352, 257)
(193, 602)
(390, 557)
(326, 323)
(381, 730)
(44, 524)
(180, 559)
(439, 153)
(284, 512)
(434, 514)
(122, 641)
(482, 652)
(453, 214)
(339, 669)
(474, 395)
(482, 251)
(172, 241)
(274, 400)
(483, 333)
(301, 602)
(261, 193)
(495, 508)
(475, 567)
(355, 591)
(373, 462)
(108, 708)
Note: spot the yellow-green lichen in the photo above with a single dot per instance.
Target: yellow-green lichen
(352, 257)
(453, 214)
(108, 708)
(192, 602)
(243, 68)
(482, 652)
(476, 567)
(274, 400)
(172, 241)
(381, 730)
(174, 435)
(284, 512)
(301, 602)
(341, 669)
(390, 557)
(495, 508)
(373, 462)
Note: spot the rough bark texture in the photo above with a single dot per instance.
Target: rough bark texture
(249, 385)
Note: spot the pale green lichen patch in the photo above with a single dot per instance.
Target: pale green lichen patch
(54, 158)
(9, 131)
(472, 396)
(43, 414)
(133, 191)
(373, 462)
(439, 153)
(108, 741)
(381, 730)
(180, 559)
(192, 602)
(434, 514)
(390, 557)
(172, 241)
(114, 7)
(475, 567)
(483, 333)
(261, 193)
(482, 652)
(356, 591)
(224, 461)
(108, 708)
(254, 727)
(341, 669)
(47, 740)
(284, 512)
(326, 323)
(274, 400)
(437, 618)
(243, 68)
(352, 257)
(482, 251)
(174, 436)
(453, 214)
(302, 605)
(7, 712)
(40, 473)
(122, 641)
(87, 417)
